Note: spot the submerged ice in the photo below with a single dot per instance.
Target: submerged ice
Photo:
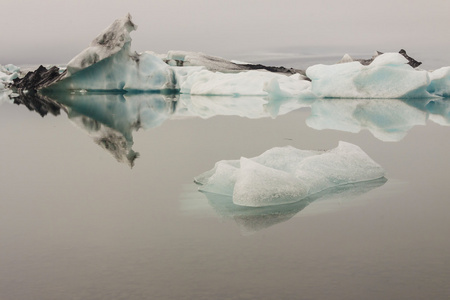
(287, 175)
(109, 64)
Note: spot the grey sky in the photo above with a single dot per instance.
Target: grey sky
(53, 31)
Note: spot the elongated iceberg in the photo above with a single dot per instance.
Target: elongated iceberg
(287, 175)
(109, 65)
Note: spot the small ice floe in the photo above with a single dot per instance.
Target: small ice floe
(287, 175)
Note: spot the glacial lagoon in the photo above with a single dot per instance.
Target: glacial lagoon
(98, 200)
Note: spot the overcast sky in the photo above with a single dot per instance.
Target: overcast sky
(53, 31)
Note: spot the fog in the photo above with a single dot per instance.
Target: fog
(53, 31)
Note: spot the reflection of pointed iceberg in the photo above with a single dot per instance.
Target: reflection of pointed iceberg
(287, 175)
(110, 119)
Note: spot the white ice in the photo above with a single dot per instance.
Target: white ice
(287, 175)
(388, 76)
(8, 73)
(248, 83)
(440, 82)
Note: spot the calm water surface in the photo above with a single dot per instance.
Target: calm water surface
(77, 222)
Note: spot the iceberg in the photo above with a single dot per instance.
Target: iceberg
(109, 65)
(388, 76)
(287, 175)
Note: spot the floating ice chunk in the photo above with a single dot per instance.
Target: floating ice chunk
(388, 76)
(286, 175)
(10, 68)
(440, 82)
(8, 73)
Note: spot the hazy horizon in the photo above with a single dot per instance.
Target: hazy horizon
(52, 31)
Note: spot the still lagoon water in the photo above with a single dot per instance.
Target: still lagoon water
(98, 202)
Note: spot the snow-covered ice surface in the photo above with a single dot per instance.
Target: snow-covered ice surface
(287, 175)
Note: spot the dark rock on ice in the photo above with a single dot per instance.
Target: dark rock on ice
(411, 61)
(39, 78)
(218, 64)
(281, 69)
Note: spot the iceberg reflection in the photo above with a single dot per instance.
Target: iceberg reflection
(387, 120)
(111, 118)
(253, 219)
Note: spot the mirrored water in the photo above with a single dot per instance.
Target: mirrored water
(98, 200)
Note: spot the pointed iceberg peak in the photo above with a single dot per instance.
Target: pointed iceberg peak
(345, 59)
(110, 41)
